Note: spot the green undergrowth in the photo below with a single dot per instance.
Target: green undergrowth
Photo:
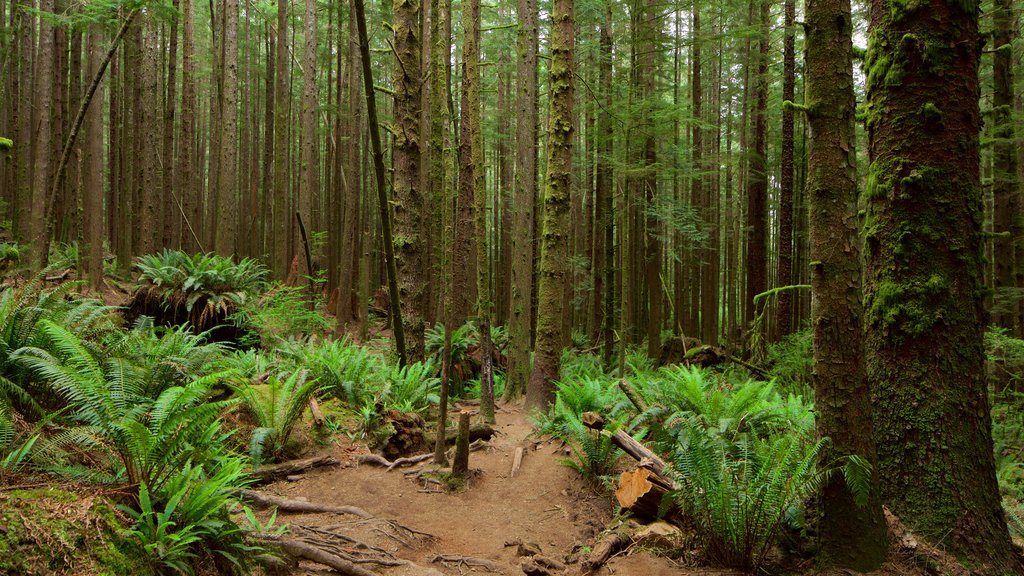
(51, 531)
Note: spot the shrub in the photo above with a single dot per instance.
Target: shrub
(284, 312)
(277, 406)
(792, 363)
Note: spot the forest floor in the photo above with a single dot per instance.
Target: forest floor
(546, 506)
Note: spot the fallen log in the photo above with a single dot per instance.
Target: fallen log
(476, 432)
(264, 500)
(314, 410)
(271, 472)
(629, 445)
(466, 560)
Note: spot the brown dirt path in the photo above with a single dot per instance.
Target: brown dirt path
(546, 504)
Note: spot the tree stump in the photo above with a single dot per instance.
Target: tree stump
(460, 465)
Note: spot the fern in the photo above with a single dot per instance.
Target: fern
(276, 406)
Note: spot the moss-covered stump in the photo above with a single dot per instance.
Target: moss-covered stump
(55, 532)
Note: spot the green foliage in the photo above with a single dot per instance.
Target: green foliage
(1005, 360)
(6, 144)
(10, 257)
(167, 356)
(350, 372)
(277, 406)
(462, 365)
(205, 286)
(411, 388)
(143, 439)
(739, 492)
(792, 363)
(189, 518)
(284, 312)
(594, 454)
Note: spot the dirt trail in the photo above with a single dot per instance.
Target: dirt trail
(546, 504)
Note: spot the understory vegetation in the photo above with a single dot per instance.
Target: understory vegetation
(172, 421)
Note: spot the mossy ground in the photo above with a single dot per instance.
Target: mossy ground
(55, 532)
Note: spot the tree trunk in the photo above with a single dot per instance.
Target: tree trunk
(553, 251)
(784, 319)
(408, 197)
(1007, 216)
(281, 216)
(757, 189)
(308, 184)
(226, 210)
(525, 198)
(40, 165)
(92, 167)
(852, 537)
(924, 285)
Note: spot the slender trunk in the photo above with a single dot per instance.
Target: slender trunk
(379, 171)
(1008, 220)
(281, 215)
(226, 210)
(757, 190)
(92, 167)
(308, 184)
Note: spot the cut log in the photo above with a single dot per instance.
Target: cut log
(636, 450)
(264, 500)
(517, 461)
(641, 492)
(476, 432)
(633, 396)
(269, 473)
(314, 409)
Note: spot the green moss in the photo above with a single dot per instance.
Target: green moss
(57, 532)
(908, 305)
(929, 111)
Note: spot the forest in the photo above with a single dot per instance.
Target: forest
(520, 287)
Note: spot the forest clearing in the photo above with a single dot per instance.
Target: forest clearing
(288, 288)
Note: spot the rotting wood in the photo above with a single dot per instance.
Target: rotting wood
(610, 543)
(314, 409)
(632, 394)
(264, 500)
(460, 465)
(269, 473)
(517, 461)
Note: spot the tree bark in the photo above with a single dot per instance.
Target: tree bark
(281, 216)
(553, 252)
(852, 537)
(924, 284)
(1008, 219)
(226, 207)
(408, 197)
(92, 166)
(784, 315)
(757, 189)
(525, 198)
(308, 185)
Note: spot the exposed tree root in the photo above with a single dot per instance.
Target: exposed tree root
(264, 500)
(447, 559)
(265, 474)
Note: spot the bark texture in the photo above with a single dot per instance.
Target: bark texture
(852, 537)
(924, 315)
(555, 238)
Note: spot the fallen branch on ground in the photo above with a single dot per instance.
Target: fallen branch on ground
(467, 560)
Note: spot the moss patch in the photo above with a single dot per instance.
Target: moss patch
(49, 531)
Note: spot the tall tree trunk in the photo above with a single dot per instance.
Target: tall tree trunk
(308, 185)
(1008, 219)
(924, 285)
(408, 205)
(92, 166)
(525, 198)
(757, 189)
(557, 190)
(281, 215)
(41, 162)
(852, 536)
(169, 218)
(784, 321)
(604, 199)
(382, 195)
(464, 222)
(224, 232)
(186, 187)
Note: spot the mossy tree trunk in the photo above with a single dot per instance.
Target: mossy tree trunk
(408, 200)
(784, 322)
(281, 215)
(468, 122)
(555, 236)
(924, 316)
(757, 189)
(525, 198)
(852, 537)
